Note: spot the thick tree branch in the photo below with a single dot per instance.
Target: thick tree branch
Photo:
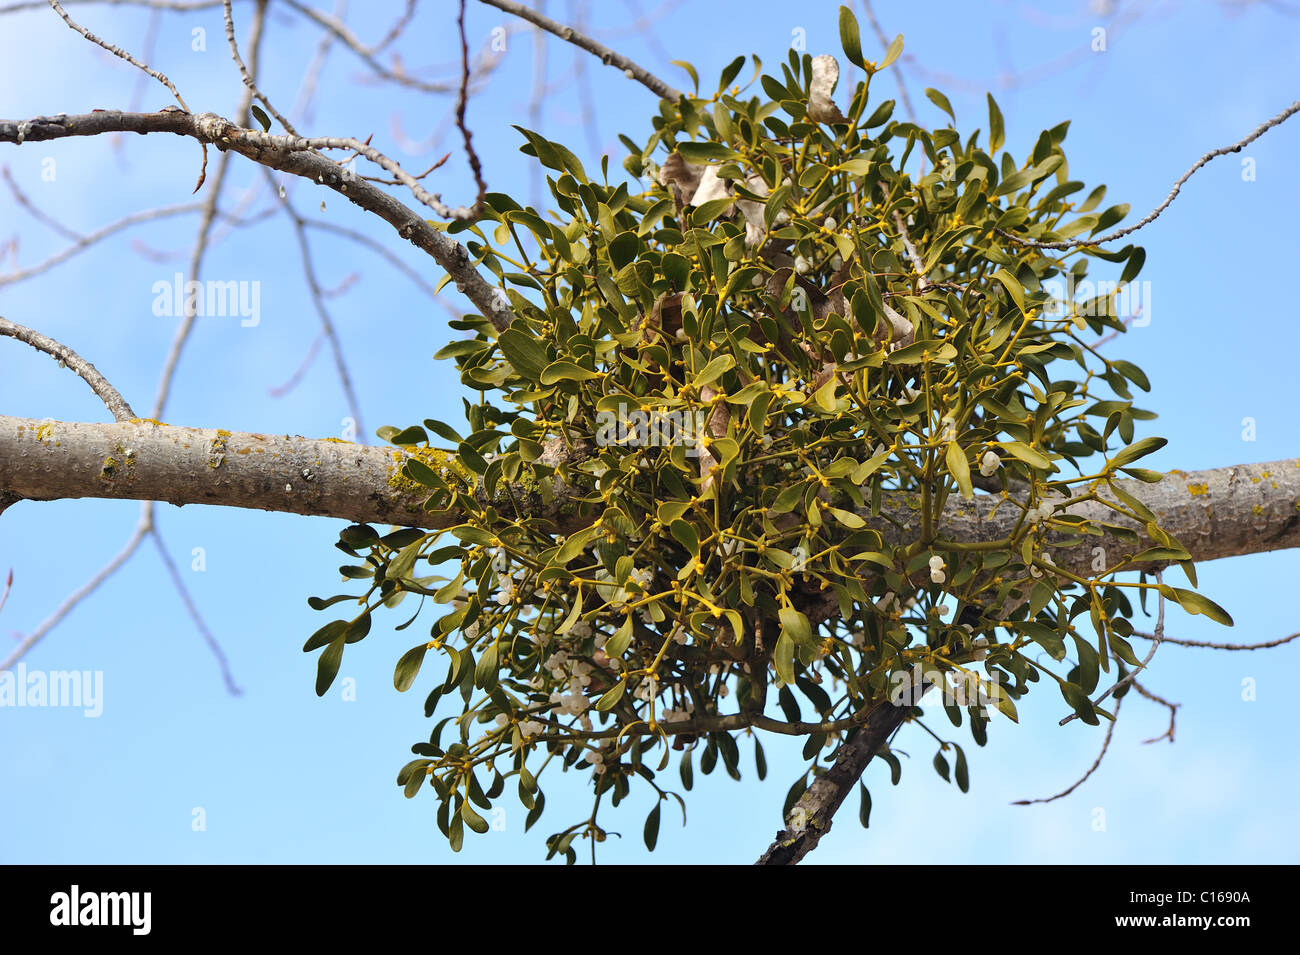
(1216, 513)
(298, 157)
(147, 461)
(819, 803)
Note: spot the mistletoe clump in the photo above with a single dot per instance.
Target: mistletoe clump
(720, 446)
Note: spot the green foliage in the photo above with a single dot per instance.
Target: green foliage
(615, 596)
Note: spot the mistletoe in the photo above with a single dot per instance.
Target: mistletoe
(720, 449)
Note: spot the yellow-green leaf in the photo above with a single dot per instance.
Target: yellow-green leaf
(959, 468)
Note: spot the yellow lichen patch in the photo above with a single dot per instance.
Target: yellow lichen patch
(443, 464)
(44, 430)
(1197, 489)
(528, 481)
(148, 421)
(109, 468)
(1265, 474)
(1257, 509)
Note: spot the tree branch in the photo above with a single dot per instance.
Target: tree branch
(1220, 512)
(298, 157)
(818, 804)
(106, 393)
(606, 55)
(117, 51)
(1154, 214)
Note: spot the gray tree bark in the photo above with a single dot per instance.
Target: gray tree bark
(1214, 513)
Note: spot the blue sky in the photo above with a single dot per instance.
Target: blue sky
(282, 776)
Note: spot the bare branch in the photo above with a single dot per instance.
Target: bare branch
(85, 242)
(178, 582)
(279, 391)
(145, 460)
(293, 155)
(1173, 712)
(35, 211)
(327, 323)
(243, 70)
(1219, 646)
(364, 240)
(197, 254)
(86, 589)
(1105, 745)
(66, 357)
(606, 55)
(1150, 217)
(174, 6)
(344, 35)
(118, 52)
(462, 99)
(898, 72)
(1132, 674)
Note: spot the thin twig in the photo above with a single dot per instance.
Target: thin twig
(896, 67)
(1105, 745)
(178, 582)
(186, 326)
(606, 55)
(81, 594)
(65, 356)
(1157, 637)
(118, 52)
(462, 100)
(305, 102)
(1115, 334)
(583, 84)
(1218, 646)
(1150, 217)
(36, 212)
(87, 241)
(243, 70)
(536, 104)
(327, 323)
(362, 239)
(344, 35)
(1173, 712)
(898, 72)
(279, 391)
